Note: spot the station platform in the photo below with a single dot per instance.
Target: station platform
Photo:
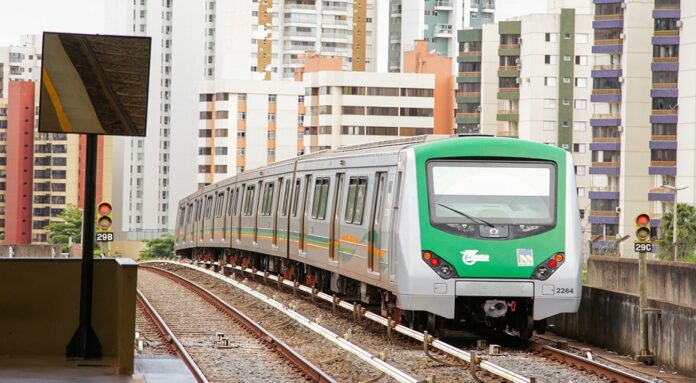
(148, 369)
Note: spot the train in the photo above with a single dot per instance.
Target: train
(440, 233)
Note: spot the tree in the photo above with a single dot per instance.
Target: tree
(162, 247)
(686, 232)
(71, 227)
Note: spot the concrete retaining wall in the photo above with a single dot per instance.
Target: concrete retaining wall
(40, 303)
(23, 251)
(610, 319)
(673, 282)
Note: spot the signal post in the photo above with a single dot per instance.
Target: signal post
(642, 246)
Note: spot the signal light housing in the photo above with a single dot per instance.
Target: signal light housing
(104, 219)
(643, 228)
(443, 268)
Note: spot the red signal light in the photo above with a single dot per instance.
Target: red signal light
(104, 208)
(553, 263)
(643, 220)
(434, 262)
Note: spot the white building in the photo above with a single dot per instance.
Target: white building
(349, 108)
(20, 62)
(436, 22)
(245, 124)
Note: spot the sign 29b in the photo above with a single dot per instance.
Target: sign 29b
(105, 237)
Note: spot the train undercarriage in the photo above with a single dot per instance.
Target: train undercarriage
(473, 314)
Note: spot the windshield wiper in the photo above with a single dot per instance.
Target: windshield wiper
(472, 218)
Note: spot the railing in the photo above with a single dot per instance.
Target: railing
(663, 112)
(469, 74)
(443, 29)
(299, 6)
(468, 94)
(663, 137)
(616, 16)
(509, 90)
(663, 163)
(509, 46)
(469, 115)
(607, 67)
(608, 42)
(606, 91)
(470, 54)
(668, 32)
(334, 8)
(601, 116)
(443, 3)
(508, 67)
(605, 164)
(667, 6)
(508, 111)
(661, 190)
(507, 133)
(610, 188)
(664, 85)
(604, 213)
(612, 140)
(666, 59)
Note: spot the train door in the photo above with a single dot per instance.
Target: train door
(335, 229)
(256, 214)
(303, 212)
(275, 212)
(239, 217)
(374, 245)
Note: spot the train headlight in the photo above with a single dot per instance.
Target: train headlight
(443, 268)
(548, 267)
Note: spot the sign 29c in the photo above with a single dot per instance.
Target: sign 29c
(643, 247)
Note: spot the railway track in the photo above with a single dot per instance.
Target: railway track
(216, 341)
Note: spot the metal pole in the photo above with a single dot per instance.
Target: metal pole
(674, 228)
(642, 275)
(84, 343)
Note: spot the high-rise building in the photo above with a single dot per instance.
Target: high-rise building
(40, 173)
(213, 40)
(643, 98)
(245, 124)
(529, 78)
(436, 22)
(20, 62)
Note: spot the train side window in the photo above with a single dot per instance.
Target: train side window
(286, 196)
(249, 200)
(296, 198)
(220, 204)
(321, 192)
(230, 193)
(189, 210)
(355, 205)
(236, 201)
(267, 202)
(182, 216)
(209, 207)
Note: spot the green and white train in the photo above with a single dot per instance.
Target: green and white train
(439, 232)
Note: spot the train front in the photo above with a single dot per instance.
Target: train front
(498, 239)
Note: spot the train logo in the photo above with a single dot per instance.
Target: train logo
(470, 257)
(525, 257)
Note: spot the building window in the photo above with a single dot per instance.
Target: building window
(567, 58)
(581, 82)
(272, 98)
(241, 116)
(355, 204)
(566, 80)
(580, 104)
(581, 38)
(549, 103)
(550, 81)
(551, 37)
(579, 170)
(566, 102)
(550, 59)
(567, 35)
(579, 126)
(549, 126)
(581, 60)
(579, 148)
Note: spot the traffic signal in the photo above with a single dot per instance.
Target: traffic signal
(643, 228)
(104, 217)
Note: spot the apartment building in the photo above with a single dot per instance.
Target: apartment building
(271, 36)
(530, 78)
(435, 21)
(245, 124)
(643, 98)
(20, 62)
(350, 108)
(40, 173)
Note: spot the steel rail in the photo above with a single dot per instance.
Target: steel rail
(406, 331)
(164, 328)
(610, 373)
(303, 364)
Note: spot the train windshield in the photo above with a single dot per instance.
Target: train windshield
(490, 193)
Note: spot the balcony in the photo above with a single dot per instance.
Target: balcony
(606, 91)
(608, 42)
(468, 94)
(614, 164)
(475, 115)
(605, 189)
(443, 5)
(606, 140)
(616, 16)
(443, 30)
(606, 95)
(609, 217)
(469, 74)
(670, 32)
(509, 46)
(664, 137)
(664, 112)
(664, 85)
(290, 6)
(605, 120)
(666, 59)
(508, 115)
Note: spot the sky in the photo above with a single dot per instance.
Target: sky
(87, 16)
(22, 17)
